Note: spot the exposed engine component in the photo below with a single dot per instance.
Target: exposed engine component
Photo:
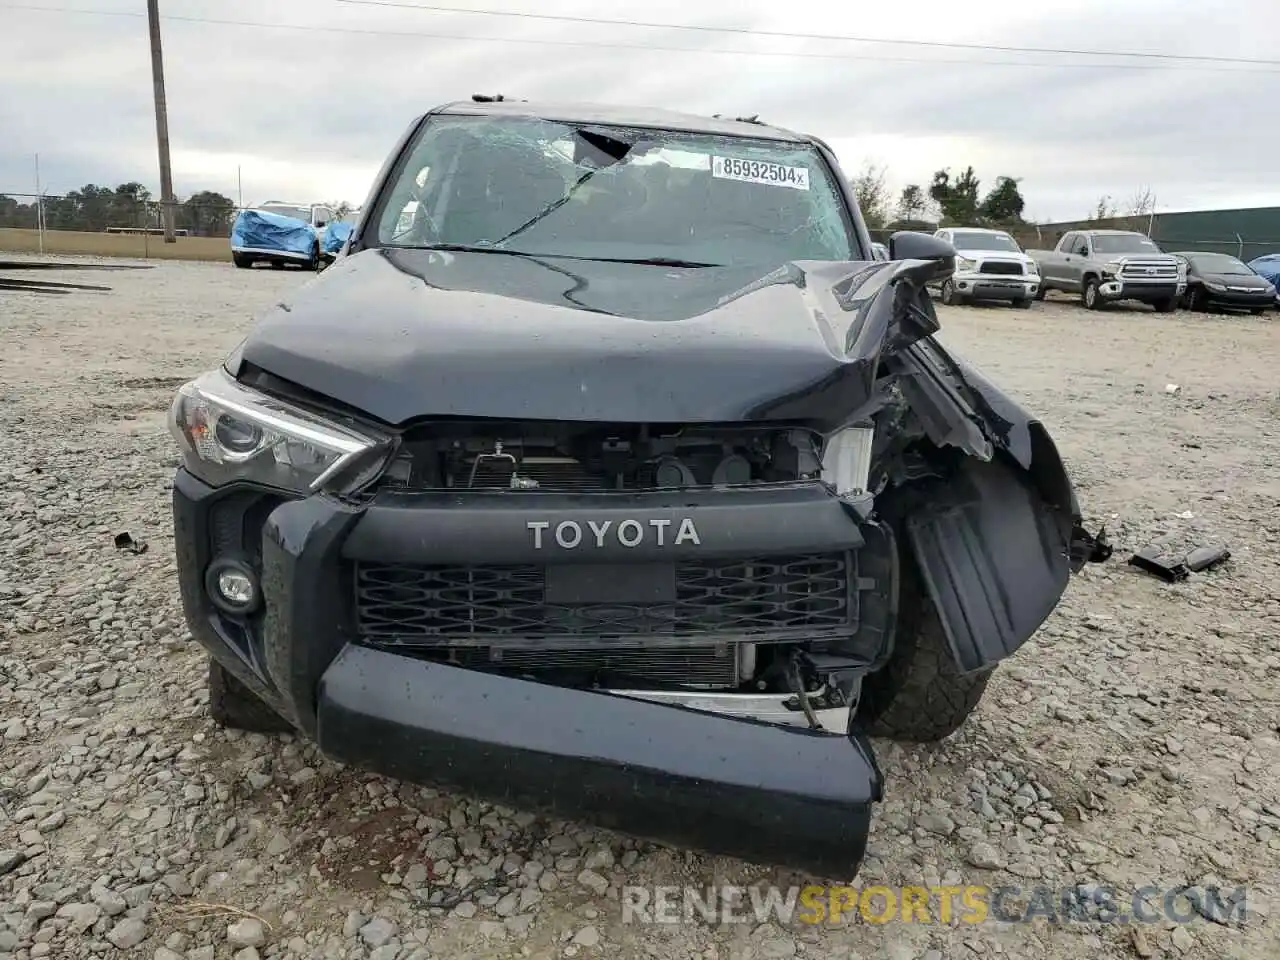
(583, 457)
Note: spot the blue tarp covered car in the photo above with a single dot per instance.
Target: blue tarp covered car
(335, 235)
(1268, 267)
(260, 236)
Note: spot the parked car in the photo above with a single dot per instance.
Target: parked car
(989, 266)
(279, 233)
(1221, 280)
(1106, 266)
(335, 235)
(1268, 267)
(643, 510)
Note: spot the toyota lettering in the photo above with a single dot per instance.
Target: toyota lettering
(569, 534)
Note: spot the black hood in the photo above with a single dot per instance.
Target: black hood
(408, 334)
(1250, 280)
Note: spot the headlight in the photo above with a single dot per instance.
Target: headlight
(964, 263)
(846, 459)
(228, 433)
(1215, 286)
(1032, 268)
(1112, 266)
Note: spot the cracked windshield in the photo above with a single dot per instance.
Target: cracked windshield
(553, 189)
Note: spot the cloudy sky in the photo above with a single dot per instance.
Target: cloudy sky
(311, 112)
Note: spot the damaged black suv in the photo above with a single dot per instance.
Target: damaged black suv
(608, 472)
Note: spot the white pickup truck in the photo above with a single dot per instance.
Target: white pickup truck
(1104, 266)
(989, 266)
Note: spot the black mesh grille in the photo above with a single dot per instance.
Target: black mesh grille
(757, 598)
(1002, 268)
(714, 666)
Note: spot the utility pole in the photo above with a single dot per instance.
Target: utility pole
(162, 121)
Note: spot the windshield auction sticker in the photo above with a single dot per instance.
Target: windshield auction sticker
(760, 171)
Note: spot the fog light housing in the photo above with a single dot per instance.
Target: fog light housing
(233, 586)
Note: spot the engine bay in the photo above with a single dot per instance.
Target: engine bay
(563, 457)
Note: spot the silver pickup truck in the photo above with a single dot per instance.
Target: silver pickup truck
(1104, 266)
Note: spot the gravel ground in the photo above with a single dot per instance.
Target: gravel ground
(1134, 743)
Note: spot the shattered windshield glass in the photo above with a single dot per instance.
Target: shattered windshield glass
(549, 188)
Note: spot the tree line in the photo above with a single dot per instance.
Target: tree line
(949, 200)
(93, 209)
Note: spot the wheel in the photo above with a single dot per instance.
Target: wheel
(1197, 300)
(232, 704)
(1167, 305)
(918, 696)
(241, 260)
(1040, 291)
(1022, 303)
(1257, 311)
(277, 264)
(949, 295)
(1091, 296)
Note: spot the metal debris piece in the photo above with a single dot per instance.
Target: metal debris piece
(1175, 569)
(124, 541)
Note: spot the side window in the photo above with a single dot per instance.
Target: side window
(321, 216)
(1081, 246)
(1065, 244)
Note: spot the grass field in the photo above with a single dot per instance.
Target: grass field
(133, 246)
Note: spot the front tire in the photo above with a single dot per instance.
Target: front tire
(241, 260)
(1091, 296)
(1022, 304)
(1197, 300)
(233, 705)
(949, 295)
(1168, 305)
(918, 696)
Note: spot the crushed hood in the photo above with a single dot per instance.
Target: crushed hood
(407, 334)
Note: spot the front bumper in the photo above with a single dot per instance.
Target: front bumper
(1113, 289)
(982, 286)
(725, 784)
(272, 253)
(1241, 299)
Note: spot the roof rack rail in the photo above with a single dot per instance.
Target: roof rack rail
(754, 118)
(493, 98)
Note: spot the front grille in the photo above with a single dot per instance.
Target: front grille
(548, 473)
(702, 666)
(1001, 268)
(1147, 270)
(763, 599)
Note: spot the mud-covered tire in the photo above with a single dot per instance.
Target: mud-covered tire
(233, 705)
(918, 696)
(1022, 303)
(243, 261)
(1168, 305)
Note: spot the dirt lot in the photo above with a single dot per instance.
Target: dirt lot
(1133, 744)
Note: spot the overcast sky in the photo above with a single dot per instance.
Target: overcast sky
(311, 114)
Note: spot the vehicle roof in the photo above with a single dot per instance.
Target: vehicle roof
(623, 116)
(1201, 253)
(1101, 233)
(287, 203)
(978, 230)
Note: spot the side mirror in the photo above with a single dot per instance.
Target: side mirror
(910, 245)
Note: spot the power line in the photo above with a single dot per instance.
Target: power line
(589, 44)
(780, 34)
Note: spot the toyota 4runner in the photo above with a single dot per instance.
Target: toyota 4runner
(608, 473)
